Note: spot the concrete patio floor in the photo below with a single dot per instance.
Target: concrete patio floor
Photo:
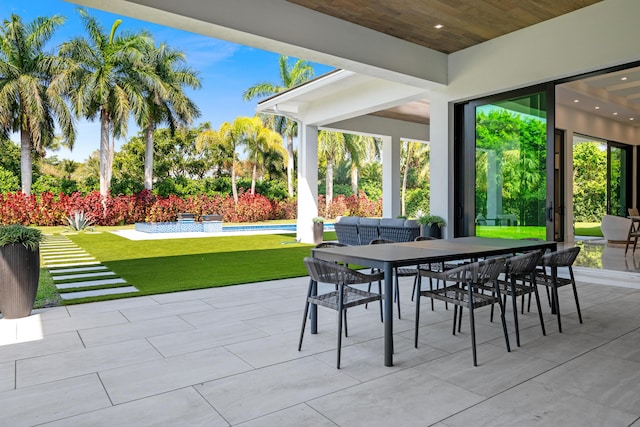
(228, 356)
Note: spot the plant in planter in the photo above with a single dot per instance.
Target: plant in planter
(318, 229)
(19, 269)
(431, 225)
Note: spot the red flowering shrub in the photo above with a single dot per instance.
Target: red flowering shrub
(284, 209)
(49, 209)
(251, 208)
(166, 210)
(362, 206)
(338, 207)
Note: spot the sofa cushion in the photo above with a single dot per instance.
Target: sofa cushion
(369, 221)
(392, 222)
(349, 220)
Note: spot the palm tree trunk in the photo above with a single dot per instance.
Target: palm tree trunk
(404, 190)
(148, 159)
(329, 183)
(26, 173)
(105, 182)
(405, 173)
(234, 188)
(112, 152)
(290, 165)
(354, 179)
(254, 174)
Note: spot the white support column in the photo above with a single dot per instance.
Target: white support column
(390, 176)
(307, 181)
(441, 178)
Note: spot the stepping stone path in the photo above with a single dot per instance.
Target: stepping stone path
(73, 268)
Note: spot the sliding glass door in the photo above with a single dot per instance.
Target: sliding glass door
(507, 140)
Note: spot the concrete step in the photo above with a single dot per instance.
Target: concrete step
(98, 292)
(83, 275)
(76, 269)
(87, 283)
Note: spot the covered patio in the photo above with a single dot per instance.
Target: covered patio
(228, 356)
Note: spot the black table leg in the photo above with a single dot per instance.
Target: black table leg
(388, 314)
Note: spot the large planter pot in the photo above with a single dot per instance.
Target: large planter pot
(318, 232)
(431, 231)
(19, 275)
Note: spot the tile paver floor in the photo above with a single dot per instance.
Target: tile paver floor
(228, 356)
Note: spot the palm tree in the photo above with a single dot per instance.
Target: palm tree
(410, 159)
(32, 93)
(226, 139)
(107, 71)
(164, 98)
(332, 147)
(258, 141)
(290, 76)
(359, 148)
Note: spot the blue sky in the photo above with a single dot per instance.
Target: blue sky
(225, 69)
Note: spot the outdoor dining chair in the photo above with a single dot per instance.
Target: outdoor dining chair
(634, 230)
(468, 291)
(344, 297)
(548, 276)
(520, 280)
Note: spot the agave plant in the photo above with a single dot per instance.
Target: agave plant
(79, 221)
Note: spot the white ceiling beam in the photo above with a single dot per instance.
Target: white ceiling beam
(289, 29)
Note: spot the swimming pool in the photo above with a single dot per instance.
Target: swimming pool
(214, 227)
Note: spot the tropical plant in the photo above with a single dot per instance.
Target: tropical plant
(290, 76)
(431, 220)
(226, 139)
(28, 237)
(79, 221)
(32, 88)
(356, 147)
(258, 141)
(106, 71)
(331, 147)
(164, 98)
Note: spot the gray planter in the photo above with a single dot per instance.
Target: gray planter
(431, 231)
(19, 275)
(318, 232)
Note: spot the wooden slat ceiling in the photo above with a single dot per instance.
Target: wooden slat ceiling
(465, 22)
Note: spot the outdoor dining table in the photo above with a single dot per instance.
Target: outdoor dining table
(389, 256)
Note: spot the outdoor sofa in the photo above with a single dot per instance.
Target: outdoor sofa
(355, 230)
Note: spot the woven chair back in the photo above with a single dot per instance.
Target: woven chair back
(561, 258)
(523, 264)
(329, 272)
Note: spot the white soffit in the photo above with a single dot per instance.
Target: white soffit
(339, 95)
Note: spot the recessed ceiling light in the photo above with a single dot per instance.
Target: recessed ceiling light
(623, 78)
(438, 26)
(615, 114)
(597, 108)
(576, 100)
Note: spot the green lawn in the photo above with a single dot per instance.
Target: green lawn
(507, 232)
(159, 266)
